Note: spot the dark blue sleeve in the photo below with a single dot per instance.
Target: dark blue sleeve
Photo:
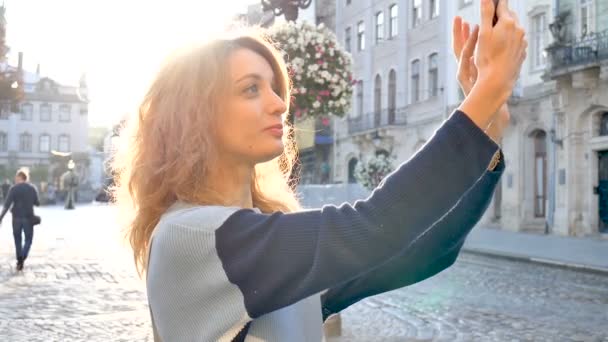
(435, 251)
(8, 202)
(278, 259)
(36, 198)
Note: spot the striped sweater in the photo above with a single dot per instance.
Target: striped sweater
(214, 269)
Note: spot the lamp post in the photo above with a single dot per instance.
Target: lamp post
(288, 8)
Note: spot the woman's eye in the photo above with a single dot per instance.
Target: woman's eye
(252, 90)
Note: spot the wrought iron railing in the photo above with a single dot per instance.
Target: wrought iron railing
(323, 128)
(589, 49)
(377, 119)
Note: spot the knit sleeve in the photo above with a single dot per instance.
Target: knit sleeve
(256, 263)
(434, 251)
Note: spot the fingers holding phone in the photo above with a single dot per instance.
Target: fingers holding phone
(501, 47)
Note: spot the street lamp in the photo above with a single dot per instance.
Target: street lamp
(289, 8)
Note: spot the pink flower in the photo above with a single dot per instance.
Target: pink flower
(319, 98)
(325, 121)
(298, 113)
(320, 61)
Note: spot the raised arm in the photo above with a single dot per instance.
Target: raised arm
(434, 251)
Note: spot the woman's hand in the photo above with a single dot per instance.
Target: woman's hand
(500, 53)
(463, 46)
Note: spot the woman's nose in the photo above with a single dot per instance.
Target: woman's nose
(277, 105)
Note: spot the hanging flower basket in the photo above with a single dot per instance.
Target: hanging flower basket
(319, 68)
(369, 174)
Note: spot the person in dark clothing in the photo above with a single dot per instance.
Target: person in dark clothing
(21, 199)
(5, 187)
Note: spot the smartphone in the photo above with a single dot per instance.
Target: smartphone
(495, 20)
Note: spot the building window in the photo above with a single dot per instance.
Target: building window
(5, 111)
(392, 96)
(604, 124)
(416, 13)
(361, 36)
(377, 101)
(434, 9)
(352, 164)
(540, 172)
(26, 112)
(44, 143)
(3, 142)
(393, 27)
(45, 112)
(415, 72)
(65, 113)
(379, 27)
(538, 41)
(25, 142)
(347, 38)
(433, 75)
(359, 98)
(63, 144)
(586, 17)
(348, 2)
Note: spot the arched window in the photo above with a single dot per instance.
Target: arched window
(63, 143)
(45, 112)
(604, 124)
(540, 172)
(433, 75)
(415, 72)
(25, 142)
(352, 163)
(44, 143)
(392, 96)
(393, 27)
(26, 112)
(379, 27)
(377, 101)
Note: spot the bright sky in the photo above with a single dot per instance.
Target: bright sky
(117, 43)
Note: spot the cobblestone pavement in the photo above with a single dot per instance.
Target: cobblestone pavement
(80, 285)
(487, 299)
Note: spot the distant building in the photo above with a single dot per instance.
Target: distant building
(50, 117)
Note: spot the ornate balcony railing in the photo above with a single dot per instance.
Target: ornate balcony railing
(585, 50)
(377, 119)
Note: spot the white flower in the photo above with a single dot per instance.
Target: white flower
(316, 104)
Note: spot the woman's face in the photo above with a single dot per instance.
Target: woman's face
(250, 125)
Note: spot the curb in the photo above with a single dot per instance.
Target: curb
(535, 260)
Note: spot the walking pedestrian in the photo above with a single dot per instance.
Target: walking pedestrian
(21, 199)
(5, 187)
(69, 183)
(217, 228)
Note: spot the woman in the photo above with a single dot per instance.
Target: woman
(228, 254)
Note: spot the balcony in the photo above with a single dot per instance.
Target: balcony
(582, 52)
(323, 132)
(379, 119)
